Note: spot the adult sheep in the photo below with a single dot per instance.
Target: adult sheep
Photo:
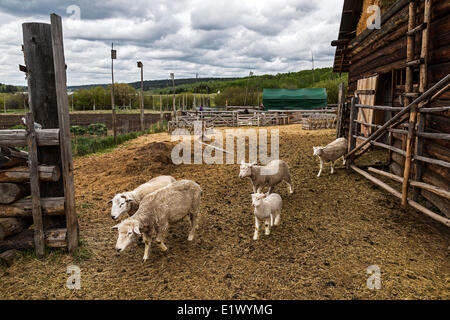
(330, 153)
(128, 202)
(157, 211)
(270, 175)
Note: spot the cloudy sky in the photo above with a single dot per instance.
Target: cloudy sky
(215, 38)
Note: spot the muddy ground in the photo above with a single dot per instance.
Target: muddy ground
(332, 228)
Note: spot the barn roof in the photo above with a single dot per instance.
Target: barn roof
(351, 13)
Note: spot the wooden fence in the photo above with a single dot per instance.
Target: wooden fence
(37, 186)
(413, 159)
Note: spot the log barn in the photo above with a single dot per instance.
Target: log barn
(401, 63)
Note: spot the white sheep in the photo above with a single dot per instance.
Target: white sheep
(270, 175)
(331, 152)
(156, 211)
(267, 210)
(128, 202)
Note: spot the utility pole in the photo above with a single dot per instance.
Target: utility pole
(246, 88)
(172, 76)
(141, 100)
(113, 57)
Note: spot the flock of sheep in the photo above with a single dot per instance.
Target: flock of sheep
(163, 201)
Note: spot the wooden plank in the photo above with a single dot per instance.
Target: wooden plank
(10, 157)
(408, 157)
(17, 138)
(35, 188)
(418, 150)
(433, 161)
(64, 125)
(22, 174)
(423, 71)
(38, 54)
(10, 192)
(23, 208)
(384, 108)
(12, 226)
(394, 192)
(54, 238)
(351, 130)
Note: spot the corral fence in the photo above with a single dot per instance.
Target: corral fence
(125, 122)
(415, 172)
(253, 117)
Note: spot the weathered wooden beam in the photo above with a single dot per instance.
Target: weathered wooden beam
(10, 157)
(36, 209)
(10, 192)
(339, 42)
(23, 208)
(430, 135)
(54, 238)
(7, 257)
(383, 145)
(22, 174)
(433, 161)
(385, 108)
(437, 190)
(17, 138)
(64, 125)
(12, 226)
(423, 72)
(417, 29)
(433, 110)
(394, 192)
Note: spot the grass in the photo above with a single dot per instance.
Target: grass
(82, 146)
(82, 253)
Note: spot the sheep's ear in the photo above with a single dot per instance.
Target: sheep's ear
(116, 227)
(136, 230)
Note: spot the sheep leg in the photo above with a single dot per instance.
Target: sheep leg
(147, 241)
(321, 167)
(343, 160)
(277, 218)
(194, 224)
(267, 229)
(160, 237)
(271, 220)
(270, 190)
(288, 181)
(332, 167)
(256, 234)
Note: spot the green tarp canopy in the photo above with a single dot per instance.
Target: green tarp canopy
(297, 99)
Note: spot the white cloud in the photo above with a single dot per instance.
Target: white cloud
(214, 38)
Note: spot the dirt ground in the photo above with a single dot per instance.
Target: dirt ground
(332, 229)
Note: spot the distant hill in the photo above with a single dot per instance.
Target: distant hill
(159, 84)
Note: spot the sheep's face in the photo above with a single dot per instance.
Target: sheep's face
(128, 233)
(121, 203)
(257, 199)
(317, 151)
(246, 169)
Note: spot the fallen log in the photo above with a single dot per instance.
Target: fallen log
(10, 192)
(7, 257)
(12, 226)
(10, 157)
(55, 238)
(18, 138)
(22, 174)
(23, 208)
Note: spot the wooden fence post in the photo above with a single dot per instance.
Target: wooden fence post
(64, 127)
(39, 242)
(351, 126)
(340, 111)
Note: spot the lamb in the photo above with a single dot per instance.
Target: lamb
(128, 202)
(331, 152)
(267, 210)
(270, 175)
(156, 211)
